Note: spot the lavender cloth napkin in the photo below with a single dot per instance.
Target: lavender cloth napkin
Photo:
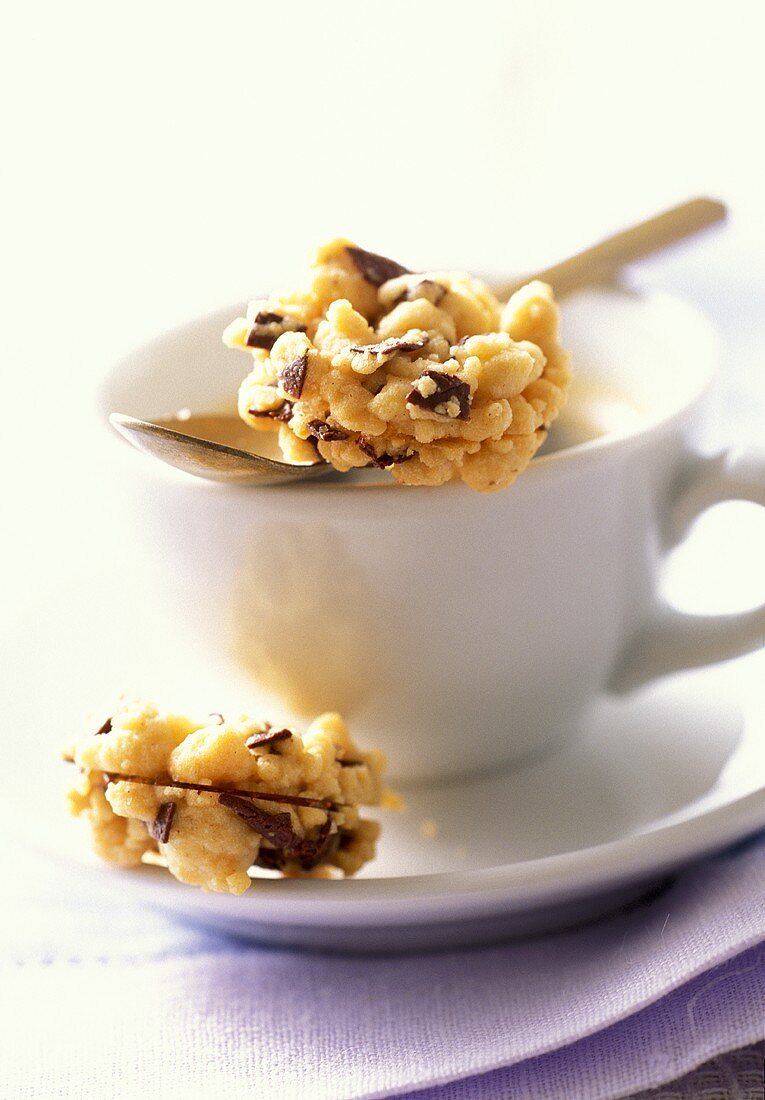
(106, 999)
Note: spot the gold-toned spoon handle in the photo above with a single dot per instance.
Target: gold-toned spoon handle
(596, 263)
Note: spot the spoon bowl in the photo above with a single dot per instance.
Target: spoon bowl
(211, 459)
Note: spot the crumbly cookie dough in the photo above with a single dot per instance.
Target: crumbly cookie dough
(276, 799)
(425, 374)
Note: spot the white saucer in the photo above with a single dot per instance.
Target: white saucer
(647, 784)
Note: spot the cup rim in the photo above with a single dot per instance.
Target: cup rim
(650, 426)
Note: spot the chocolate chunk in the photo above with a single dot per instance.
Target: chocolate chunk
(368, 449)
(309, 853)
(206, 788)
(257, 339)
(163, 822)
(268, 327)
(312, 852)
(392, 346)
(276, 828)
(380, 462)
(326, 432)
(348, 763)
(292, 377)
(283, 412)
(267, 737)
(272, 859)
(447, 388)
(375, 269)
(106, 728)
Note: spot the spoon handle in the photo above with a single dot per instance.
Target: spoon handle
(596, 263)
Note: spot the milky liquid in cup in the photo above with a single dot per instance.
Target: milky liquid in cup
(593, 409)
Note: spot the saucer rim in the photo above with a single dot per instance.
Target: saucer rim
(519, 886)
(512, 888)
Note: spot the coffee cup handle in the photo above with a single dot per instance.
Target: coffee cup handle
(672, 640)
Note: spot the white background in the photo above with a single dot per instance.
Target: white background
(159, 157)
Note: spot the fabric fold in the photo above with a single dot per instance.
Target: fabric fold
(97, 981)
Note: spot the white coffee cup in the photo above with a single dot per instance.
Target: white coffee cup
(457, 631)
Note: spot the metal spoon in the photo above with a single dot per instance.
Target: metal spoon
(212, 458)
(217, 459)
